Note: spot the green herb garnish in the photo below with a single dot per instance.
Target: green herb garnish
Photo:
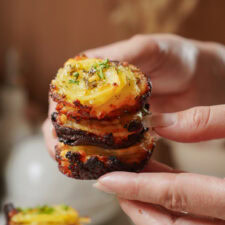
(74, 82)
(101, 74)
(45, 209)
(104, 64)
(65, 207)
(24, 210)
(76, 75)
(99, 68)
(19, 209)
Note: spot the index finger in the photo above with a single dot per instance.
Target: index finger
(144, 214)
(197, 194)
(192, 125)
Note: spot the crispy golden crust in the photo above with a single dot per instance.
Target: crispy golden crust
(88, 162)
(114, 102)
(97, 133)
(98, 117)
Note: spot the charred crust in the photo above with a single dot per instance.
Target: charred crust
(94, 166)
(77, 137)
(82, 110)
(85, 112)
(54, 117)
(73, 157)
(147, 106)
(134, 125)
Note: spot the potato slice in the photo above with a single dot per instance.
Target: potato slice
(97, 88)
(43, 215)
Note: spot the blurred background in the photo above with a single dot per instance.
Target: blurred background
(36, 37)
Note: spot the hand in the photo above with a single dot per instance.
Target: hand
(178, 68)
(166, 196)
(184, 73)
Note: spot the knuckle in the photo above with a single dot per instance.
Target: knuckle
(174, 199)
(133, 191)
(200, 117)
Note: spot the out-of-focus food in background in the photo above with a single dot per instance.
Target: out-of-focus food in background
(43, 215)
(36, 38)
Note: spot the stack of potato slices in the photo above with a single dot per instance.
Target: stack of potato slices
(99, 116)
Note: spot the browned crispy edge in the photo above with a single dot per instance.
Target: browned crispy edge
(84, 111)
(94, 166)
(76, 137)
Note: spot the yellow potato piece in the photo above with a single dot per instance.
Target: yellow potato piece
(118, 81)
(57, 215)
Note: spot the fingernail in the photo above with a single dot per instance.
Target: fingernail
(103, 188)
(163, 119)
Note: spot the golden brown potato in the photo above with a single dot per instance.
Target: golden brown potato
(93, 88)
(91, 162)
(43, 215)
(99, 116)
(117, 133)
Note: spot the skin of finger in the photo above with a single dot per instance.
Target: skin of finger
(49, 131)
(162, 57)
(197, 194)
(144, 214)
(154, 166)
(52, 106)
(49, 138)
(140, 50)
(196, 124)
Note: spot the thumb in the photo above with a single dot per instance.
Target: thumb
(192, 125)
(143, 51)
(115, 51)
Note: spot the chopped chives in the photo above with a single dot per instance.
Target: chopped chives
(74, 82)
(76, 75)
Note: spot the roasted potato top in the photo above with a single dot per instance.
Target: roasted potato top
(46, 215)
(98, 88)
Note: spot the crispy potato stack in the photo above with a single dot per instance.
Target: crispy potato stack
(43, 215)
(98, 117)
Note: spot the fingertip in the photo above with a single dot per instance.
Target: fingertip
(100, 52)
(91, 54)
(160, 120)
(192, 125)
